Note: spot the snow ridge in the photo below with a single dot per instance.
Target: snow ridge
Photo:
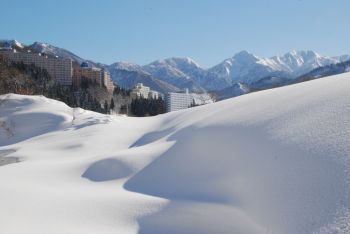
(266, 162)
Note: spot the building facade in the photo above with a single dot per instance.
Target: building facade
(107, 81)
(58, 68)
(93, 74)
(100, 76)
(61, 69)
(140, 91)
(179, 101)
(143, 91)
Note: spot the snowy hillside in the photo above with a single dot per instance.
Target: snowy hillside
(128, 74)
(266, 162)
(181, 72)
(55, 51)
(11, 44)
(126, 66)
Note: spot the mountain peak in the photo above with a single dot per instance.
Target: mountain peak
(293, 52)
(303, 53)
(177, 61)
(42, 47)
(11, 43)
(245, 56)
(186, 60)
(122, 65)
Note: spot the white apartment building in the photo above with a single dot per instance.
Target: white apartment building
(179, 101)
(140, 91)
(143, 91)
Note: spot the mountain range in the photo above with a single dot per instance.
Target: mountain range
(234, 76)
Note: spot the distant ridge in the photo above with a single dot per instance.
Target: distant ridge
(175, 74)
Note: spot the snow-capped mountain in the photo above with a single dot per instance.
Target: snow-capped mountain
(343, 58)
(128, 74)
(177, 73)
(55, 51)
(181, 73)
(248, 68)
(297, 63)
(127, 67)
(11, 44)
(244, 67)
(332, 69)
(234, 90)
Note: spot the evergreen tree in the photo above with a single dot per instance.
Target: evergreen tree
(123, 110)
(111, 105)
(105, 107)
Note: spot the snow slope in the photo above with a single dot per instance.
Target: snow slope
(54, 51)
(275, 161)
(11, 44)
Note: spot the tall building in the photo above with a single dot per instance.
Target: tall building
(93, 74)
(58, 68)
(179, 101)
(107, 81)
(100, 76)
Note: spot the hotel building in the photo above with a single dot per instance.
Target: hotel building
(179, 101)
(100, 76)
(107, 81)
(143, 91)
(58, 68)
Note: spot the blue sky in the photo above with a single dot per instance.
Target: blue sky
(208, 31)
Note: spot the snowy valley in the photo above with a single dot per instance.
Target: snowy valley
(250, 164)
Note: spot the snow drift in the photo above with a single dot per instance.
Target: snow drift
(275, 161)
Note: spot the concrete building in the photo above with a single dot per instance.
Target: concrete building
(140, 91)
(100, 76)
(143, 91)
(179, 101)
(58, 68)
(153, 94)
(93, 74)
(107, 81)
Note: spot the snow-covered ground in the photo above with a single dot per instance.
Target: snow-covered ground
(276, 161)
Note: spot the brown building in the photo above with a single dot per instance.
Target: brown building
(107, 81)
(93, 74)
(62, 69)
(98, 75)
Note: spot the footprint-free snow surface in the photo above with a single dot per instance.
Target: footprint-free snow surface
(275, 161)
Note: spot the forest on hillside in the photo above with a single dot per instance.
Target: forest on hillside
(25, 79)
